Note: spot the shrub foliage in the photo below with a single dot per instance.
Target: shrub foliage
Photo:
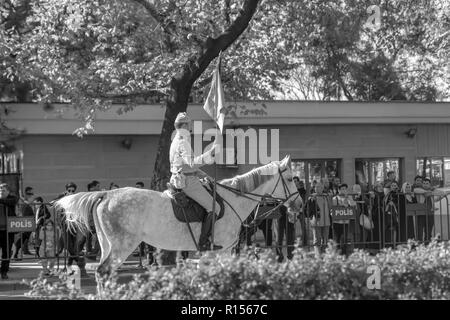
(409, 272)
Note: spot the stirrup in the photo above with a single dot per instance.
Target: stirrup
(207, 247)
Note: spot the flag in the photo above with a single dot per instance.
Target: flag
(215, 103)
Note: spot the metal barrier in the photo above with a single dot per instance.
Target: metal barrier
(388, 221)
(391, 227)
(65, 248)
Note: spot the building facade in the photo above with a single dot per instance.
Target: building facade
(357, 141)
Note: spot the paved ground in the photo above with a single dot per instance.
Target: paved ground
(30, 268)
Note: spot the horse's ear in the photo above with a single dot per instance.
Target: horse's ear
(287, 161)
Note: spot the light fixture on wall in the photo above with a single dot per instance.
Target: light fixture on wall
(127, 143)
(411, 133)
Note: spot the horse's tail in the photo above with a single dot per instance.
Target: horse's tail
(78, 208)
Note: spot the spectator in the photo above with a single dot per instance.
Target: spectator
(406, 228)
(342, 235)
(417, 182)
(319, 205)
(388, 181)
(48, 236)
(361, 234)
(71, 237)
(7, 209)
(26, 211)
(113, 186)
(140, 185)
(285, 225)
(92, 244)
(300, 184)
(93, 186)
(391, 214)
(425, 223)
(376, 212)
(70, 187)
(326, 184)
(251, 225)
(301, 217)
(42, 214)
(313, 187)
(334, 189)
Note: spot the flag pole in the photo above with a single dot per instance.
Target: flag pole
(214, 196)
(215, 168)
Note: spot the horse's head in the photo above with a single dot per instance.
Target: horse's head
(285, 187)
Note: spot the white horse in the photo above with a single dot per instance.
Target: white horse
(127, 216)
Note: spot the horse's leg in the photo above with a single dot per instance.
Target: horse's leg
(103, 269)
(121, 252)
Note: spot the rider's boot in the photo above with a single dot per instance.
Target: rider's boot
(204, 243)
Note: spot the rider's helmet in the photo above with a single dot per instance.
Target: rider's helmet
(182, 117)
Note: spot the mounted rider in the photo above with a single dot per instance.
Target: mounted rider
(186, 174)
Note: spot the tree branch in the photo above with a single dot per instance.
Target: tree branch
(144, 93)
(226, 12)
(151, 9)
(160, 18)
(196, 67)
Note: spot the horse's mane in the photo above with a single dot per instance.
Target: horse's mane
(249, 181)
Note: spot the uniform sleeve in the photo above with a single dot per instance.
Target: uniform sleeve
(189, 161)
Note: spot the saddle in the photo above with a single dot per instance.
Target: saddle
(188, 210)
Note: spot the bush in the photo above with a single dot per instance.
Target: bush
(410, 272)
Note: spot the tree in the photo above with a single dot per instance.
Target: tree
(13, 15)
(405, 58)
(94, 53)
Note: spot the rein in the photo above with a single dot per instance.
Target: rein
(281, 201)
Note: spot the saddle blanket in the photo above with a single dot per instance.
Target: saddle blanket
(188, 210)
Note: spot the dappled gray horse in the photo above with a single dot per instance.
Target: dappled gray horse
(127, 216)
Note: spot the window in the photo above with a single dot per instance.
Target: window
(368, 172)
(315, 170)
(10, 170)
(435, 168)
(11, 162)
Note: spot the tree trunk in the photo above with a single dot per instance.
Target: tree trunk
(181, 86)
(177, 102)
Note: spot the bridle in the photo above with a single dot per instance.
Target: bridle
(281, 201)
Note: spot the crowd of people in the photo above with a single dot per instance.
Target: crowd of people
(380, 220)
(380, 215)
(51, 235)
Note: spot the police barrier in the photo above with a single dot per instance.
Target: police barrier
(53, 244)
(370, 221)
(51, 241)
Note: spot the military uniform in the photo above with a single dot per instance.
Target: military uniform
(186, 174)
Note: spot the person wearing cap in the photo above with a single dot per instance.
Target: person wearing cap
(185, 169)
(8, 204)
(71, 238)
(27, 211)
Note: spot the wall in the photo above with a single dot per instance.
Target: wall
(52, 161)
(349, 142)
